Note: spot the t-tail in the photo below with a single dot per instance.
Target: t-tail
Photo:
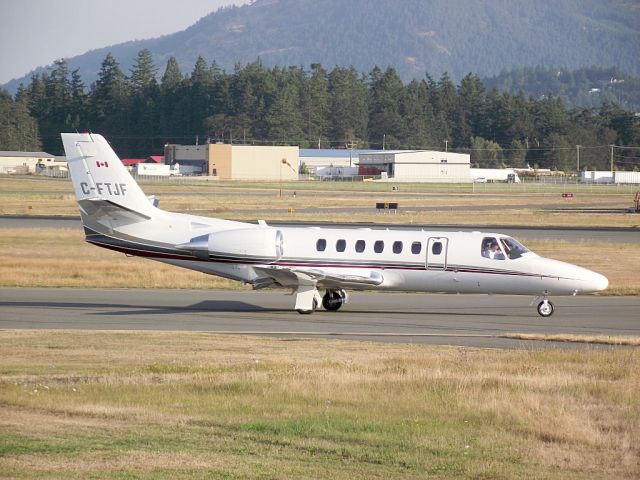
(107, 194)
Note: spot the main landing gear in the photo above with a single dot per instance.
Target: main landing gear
(334, 299)
(308, 299)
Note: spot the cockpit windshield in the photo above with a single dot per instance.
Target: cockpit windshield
(513, 248)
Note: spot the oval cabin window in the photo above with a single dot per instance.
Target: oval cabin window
(436, 248)
(321, 245)
(341, 245)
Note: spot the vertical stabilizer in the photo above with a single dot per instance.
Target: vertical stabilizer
(98, 174)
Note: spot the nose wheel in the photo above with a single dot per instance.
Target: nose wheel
(545, 308)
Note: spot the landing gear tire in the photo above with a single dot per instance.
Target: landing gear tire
(332, 300)
(545, 308)
(308, 312)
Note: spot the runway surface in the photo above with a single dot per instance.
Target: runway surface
(598, 234)
(471, 320)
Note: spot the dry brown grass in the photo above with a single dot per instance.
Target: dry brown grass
(61, 258)
(564, 337)
(41, 196)
(189, 405)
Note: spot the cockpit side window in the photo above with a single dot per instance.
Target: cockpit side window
(513, 248)
(491, 249)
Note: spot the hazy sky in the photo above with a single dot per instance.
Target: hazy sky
(33, 33)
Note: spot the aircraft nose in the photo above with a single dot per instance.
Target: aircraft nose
(594, 282)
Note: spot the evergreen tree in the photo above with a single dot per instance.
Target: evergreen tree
(315, 106)
(417, 116)
(347, 107)
(144, 95)
(78, 112)
(385, 97)
(172, 77)
(445, 108)
(470, 110)
(110, 102)
(18, 129)
(172, 105)
(58, 106)
(199, 95)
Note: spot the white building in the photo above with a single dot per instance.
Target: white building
(417, 166)
(320, 158)
(26, 162)
(596, 176)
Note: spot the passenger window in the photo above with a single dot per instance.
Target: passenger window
(397, 247)
(341, 245)
(360, 244)
(378, 247)
(416, 248)
(491, 249)
(436, 248)
(321, 245)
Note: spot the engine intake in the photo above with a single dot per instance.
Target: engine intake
(257, 243)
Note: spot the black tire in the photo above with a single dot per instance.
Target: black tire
(545, 309)
(332, 301)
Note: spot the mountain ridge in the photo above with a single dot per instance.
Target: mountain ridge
(416, 38)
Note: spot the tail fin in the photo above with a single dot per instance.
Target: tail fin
(100, 179)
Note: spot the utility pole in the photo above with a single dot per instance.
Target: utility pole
(351, 144)
(384, 138)
(446, 145)
(611, 157)
(578, 158)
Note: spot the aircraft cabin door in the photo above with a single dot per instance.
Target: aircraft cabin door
(437, 253)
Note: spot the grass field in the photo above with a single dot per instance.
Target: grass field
(61, 258)
(113, 405)
(152, 405)
(351, 202)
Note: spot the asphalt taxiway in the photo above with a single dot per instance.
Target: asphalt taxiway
(470, 320)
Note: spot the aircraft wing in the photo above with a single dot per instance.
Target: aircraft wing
(295, 276)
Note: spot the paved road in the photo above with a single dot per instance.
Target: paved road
(473, 320)
(614, 234)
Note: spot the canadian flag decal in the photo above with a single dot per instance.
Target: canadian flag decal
(102, 164)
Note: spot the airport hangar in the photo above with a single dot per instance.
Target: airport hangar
(417, 166)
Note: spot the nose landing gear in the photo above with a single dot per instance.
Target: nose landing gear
(545, 308)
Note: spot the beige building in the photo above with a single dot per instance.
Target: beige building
(237, 162)
(249, 162)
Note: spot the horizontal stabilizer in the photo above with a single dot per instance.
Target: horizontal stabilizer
(110, 214)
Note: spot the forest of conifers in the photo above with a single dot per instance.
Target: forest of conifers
(140, 113)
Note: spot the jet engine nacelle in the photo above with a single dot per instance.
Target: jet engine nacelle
(259, 243)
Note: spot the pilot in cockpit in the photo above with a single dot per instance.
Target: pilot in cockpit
(491, 249)
(495, 252)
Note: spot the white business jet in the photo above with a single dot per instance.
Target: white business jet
(117, 215)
